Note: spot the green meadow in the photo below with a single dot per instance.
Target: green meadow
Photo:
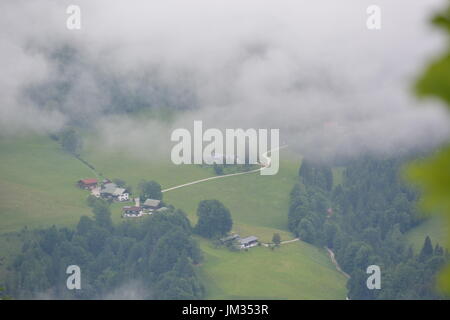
(38, 189)
(432, 227)
(259, 206)
(292, 271)
(37, 184)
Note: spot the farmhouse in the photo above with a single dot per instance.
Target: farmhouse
(96, 192)
(229, 238)
(131, 211)
(151, 204)
(121, 194)
(248, 242)
(108, 189)
(111, 191)
(87, 183)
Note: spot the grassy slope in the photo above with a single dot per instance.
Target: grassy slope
(253, 199)
(37, 184)
(293, 271)
(338, 176)
(259, 206)
(432, 227)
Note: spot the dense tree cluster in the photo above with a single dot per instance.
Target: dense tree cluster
(150, 190)
(70, 140)
(214, 219)
(363, 221)
(157, 251)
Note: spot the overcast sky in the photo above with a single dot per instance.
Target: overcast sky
(310, 68)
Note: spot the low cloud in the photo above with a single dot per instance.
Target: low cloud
(311, 69)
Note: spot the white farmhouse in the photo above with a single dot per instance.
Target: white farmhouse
(248, 242)
(121, 194)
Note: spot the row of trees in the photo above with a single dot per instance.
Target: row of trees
(157, 251)
(363, 221)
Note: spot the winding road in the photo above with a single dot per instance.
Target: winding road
(264, 165)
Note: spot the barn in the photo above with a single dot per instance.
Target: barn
(152, 204)
(131, 210)
(88, 183)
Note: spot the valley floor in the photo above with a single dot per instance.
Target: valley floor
(37, 189)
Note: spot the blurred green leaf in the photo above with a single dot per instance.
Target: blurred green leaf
(432, 175)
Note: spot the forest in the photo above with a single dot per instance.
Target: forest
(363, 221)
(156, 254)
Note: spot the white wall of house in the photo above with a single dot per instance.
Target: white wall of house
(95, 192)
(123, 197)
(249, 246)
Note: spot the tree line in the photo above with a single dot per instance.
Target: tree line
(363, 220)
(158, 251)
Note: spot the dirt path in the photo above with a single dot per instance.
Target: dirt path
(336, 264)
(290, 241)
(264, 165)
(282, 242)
(210, 178)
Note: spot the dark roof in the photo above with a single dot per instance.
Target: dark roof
(231, 237)
(109, 188)
(132, 208)
(152, 202)
(248, 240)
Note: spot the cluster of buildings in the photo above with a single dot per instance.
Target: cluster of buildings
(149, 206)
(241, 243)
(106, 189)
(110, 191)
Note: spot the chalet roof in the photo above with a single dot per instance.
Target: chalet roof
(152, 202)
(248, 240)
(119, 191)
(88, 181)
(109, 188)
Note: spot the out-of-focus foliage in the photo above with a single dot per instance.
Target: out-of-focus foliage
(432, 175)
(435, 81)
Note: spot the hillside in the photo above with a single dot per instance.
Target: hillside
(38, 184)
(432, 227)
(293, 271)
(259, 206)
